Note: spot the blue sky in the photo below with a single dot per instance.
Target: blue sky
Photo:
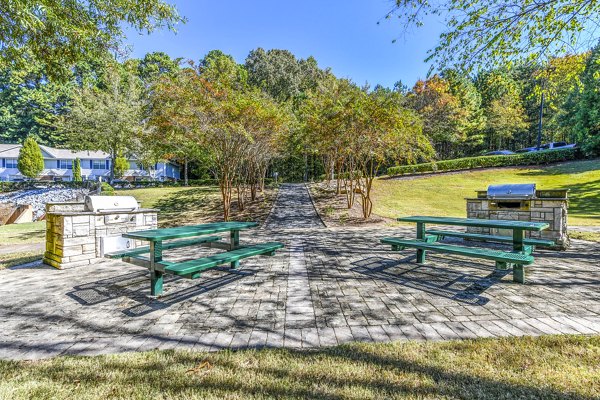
(343, 35)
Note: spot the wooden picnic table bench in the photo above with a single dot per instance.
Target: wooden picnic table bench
(184, 236)
(429, 240)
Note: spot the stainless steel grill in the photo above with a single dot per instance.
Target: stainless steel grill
(512, 191)
(111, 203)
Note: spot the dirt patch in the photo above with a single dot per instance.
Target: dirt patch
(334, 212)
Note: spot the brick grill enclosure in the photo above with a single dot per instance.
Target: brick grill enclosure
(74, 235)
(549, 206)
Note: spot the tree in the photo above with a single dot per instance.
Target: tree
(502, 103)
(280, 74)
(325, 117)
(498, 32)
(555, 82)
(109, 118)
(473, 121)
(445, 121)
(505, 118)
(28, 101)
(587, 108)
(59, 34)
(177, 104)
(155, 65)
(358, 131)
(77, 170)
(212, 108)
(288, 80)
(121, 166)
(30, 162)
(383, 131)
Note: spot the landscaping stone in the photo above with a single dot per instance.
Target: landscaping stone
(38, 198)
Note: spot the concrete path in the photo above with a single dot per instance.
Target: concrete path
(329, 286)
(16, 248)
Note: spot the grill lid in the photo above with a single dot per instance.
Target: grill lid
(110, 203)
(511, 191)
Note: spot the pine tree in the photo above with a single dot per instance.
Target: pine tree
(77, 170)
(31, 161)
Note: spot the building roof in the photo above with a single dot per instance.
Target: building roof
(12, 151)
(71, 154)
(54, 172)
(9, 150)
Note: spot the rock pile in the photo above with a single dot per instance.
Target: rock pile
(38, 198)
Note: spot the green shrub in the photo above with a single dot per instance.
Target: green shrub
(121, 166)
(30, 161)
(107, 190)
(77, 170)
(532, 158)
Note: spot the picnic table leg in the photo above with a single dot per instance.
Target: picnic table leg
(518, 246)
(156, 277)
(420, 236)
(234, 243)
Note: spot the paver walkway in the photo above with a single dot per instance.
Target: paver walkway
(329, 286)
(293, 209)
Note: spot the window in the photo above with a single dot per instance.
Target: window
(560, 144)
(66, 164)
(11, 163)
(98, 164)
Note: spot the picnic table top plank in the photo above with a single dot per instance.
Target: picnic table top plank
(154, 235)
(482, 223)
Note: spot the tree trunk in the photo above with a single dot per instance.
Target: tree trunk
(305, 175)
(338, 178)
(366, 197)
(185, 173)
(241, 197)
(225, 185)
(349, 186)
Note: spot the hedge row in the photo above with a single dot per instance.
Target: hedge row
(532, 158)
(152, 184)
(12, 186)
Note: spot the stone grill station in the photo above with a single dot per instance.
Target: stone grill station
(78, 233)
(523, 202)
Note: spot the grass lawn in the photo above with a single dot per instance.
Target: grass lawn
(444, 194)
(18, 258)
(589, 236)
(31, 232)
(550, 367)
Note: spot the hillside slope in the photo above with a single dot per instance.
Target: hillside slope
(444, 194)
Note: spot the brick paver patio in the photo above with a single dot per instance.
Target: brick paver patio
(329, 286)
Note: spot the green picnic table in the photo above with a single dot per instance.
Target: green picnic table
(184, 236)
(522, 247)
